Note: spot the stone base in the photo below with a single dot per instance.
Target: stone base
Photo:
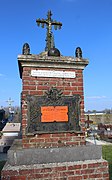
(80, 170)
(19, 156)
(65, 163)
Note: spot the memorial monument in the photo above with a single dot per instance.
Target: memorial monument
(53, 125)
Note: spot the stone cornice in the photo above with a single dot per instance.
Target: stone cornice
(36, 61)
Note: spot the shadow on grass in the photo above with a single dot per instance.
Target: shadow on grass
(110, 170)
(2, 163)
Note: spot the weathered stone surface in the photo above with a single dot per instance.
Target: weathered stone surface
(19, 156)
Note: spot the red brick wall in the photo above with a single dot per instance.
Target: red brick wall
(59, 171)
(38, 86)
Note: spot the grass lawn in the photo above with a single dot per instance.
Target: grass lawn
(107, 154)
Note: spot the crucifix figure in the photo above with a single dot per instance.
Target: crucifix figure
(49, 23)
(9, 101)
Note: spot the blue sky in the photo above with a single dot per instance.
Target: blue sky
(86, 23)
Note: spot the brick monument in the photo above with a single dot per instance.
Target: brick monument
(53, 126)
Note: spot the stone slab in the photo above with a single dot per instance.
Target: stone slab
(19, 156)
(49, 73)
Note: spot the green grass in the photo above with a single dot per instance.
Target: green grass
(107, 155)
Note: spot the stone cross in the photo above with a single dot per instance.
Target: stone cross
(9, 101)
(49, 23)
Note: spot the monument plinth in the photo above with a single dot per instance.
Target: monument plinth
(54, 84)
(53, 126)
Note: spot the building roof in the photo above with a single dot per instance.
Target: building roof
(12, 127)
(94, 113)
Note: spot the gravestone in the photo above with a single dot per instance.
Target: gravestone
(53, 125)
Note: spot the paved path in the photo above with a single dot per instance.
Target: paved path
(97, 142)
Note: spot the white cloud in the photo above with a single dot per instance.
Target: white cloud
(96, 97)
(1, 75)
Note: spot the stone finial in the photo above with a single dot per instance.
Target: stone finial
(54, 52)
(78, 52)
(26, 49)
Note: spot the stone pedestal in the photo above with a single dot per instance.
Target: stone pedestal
(53, 124)
(41, 73)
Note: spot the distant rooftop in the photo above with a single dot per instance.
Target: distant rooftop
(12, 127)
(94, 113)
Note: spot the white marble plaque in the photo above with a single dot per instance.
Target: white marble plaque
(48, 73)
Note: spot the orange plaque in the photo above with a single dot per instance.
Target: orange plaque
(54, 114)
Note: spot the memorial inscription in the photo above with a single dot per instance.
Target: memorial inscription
(53, 113)
(48, 73)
